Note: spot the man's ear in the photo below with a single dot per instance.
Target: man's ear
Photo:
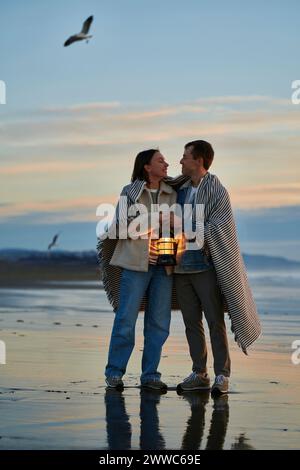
(201, 162)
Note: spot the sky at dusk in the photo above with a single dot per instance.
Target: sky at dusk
(155, 74)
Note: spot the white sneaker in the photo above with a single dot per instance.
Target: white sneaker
(220, 386)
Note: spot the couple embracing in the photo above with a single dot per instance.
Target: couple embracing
(210, 279)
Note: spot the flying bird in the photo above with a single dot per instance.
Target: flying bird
(53, 243)
(83, 33)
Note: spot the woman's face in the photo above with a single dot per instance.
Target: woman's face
(157, 168)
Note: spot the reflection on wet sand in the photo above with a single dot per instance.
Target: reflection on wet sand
(150, 437)
(192, 438)
(118, 427)
(119, 430)
(219, 423)
(193, 435)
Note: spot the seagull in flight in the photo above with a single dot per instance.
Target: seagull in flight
(83, 33)
(53, 243)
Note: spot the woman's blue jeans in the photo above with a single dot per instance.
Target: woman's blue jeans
(157, 317)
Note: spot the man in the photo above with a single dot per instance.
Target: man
(212, 276)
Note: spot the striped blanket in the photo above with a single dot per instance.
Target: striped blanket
(221, 239)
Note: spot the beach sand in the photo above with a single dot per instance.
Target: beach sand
(53, 394)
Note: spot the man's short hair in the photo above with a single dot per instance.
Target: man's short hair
(203, 149)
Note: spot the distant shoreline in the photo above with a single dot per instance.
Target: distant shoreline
(50, 285)
(73, 270)
(37, 274)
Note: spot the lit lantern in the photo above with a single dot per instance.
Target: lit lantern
(167, 248)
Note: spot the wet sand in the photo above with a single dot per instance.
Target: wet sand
(53, 394)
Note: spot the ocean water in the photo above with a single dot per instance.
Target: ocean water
(277, 296)
(274, 294)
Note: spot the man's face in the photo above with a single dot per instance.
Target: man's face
(189, 166)
(158, 166)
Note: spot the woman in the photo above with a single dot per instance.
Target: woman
(141, 277)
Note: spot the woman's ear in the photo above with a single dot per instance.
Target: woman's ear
(147, 169)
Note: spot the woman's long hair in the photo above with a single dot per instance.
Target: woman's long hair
(143, 158)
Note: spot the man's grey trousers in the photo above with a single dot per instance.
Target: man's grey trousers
(202, 287)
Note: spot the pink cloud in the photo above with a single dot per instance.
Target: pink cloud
(262, 196)
(46, 167)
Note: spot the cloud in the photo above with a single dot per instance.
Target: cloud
(264, 196)
(46, 167)
(77, 209)
(94, 106)
(163, 112)
(97, 142)
(254, 200)
(122, 125)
